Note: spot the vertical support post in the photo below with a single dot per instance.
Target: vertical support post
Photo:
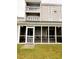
(41, 34)
(18, 33)
(55, 35)
(48, 34)
(34, 34)
(26, 36)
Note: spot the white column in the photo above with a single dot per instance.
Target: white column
(18, 33)
(34, 34)
(41, 34)
(26, 36)
(55, 35)
(48, 34)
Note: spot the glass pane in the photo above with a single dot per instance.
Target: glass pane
(59, 39)
(44, 39)
(30, 39)
(52, 38)
(30, 32)
(22, 30)
(37, 30)
(45, 34)
(59, 34)
(37, 34)
(58, 31)
(22, 34)
(52, 34)
(37, 39)
(22, 39)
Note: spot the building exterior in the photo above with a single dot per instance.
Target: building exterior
(42, 23)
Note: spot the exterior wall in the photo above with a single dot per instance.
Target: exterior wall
(19, 19)
(50, 13)
(40, 23)
(44, 13)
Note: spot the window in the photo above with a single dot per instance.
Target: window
(51, 34)
(59, 34)
(22, 34)
(38, 34)
(44, 34)
(30, 32)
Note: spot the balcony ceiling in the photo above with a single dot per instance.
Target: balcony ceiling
(33, 1)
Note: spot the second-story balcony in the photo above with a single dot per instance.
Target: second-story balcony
(33, 18)
(33, 9)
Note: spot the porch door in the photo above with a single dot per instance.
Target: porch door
(30, 35)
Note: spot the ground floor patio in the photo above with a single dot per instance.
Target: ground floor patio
(39, 33)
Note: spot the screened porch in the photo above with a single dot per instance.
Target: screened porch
(40, 34)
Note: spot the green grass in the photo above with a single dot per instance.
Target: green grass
(42, 51)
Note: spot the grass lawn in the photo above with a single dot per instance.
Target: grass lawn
(42, 51)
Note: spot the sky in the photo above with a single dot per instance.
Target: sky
(21, 6)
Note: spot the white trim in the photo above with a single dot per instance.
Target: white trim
(41, 43)
(33, 34)
(48, 35)
(55, 35)
(18, 33)
(41, 34)
(47, 43)
(26, 36)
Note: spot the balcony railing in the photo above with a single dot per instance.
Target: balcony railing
(32, 8)
(33, 18)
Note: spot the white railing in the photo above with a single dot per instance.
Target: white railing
(32, 8)
(33, 18)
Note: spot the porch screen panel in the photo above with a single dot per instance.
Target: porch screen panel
(44, 34)
(37, 34)
(59, 34)
(30, 32)
(51, 34)
(22, 34)
(30, 35)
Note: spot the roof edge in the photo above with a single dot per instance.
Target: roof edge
(20, 17)
(49, 4)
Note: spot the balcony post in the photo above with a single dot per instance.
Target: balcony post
(18, 33)
(55, 35)
(48, 34)
(41, 34)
